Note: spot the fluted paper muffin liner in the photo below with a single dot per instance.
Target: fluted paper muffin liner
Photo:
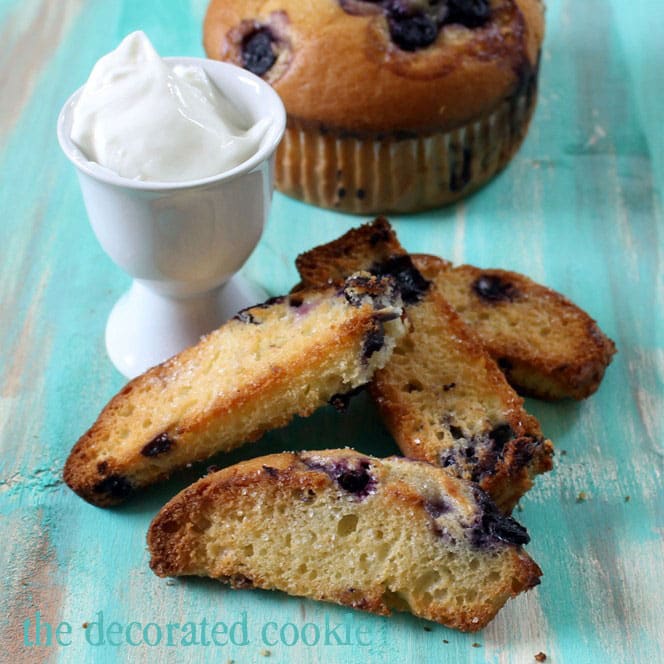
(373, 174)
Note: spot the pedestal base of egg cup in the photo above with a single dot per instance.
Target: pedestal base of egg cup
(181, 242)
(145, 328)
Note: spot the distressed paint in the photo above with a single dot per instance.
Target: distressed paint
(579, 209)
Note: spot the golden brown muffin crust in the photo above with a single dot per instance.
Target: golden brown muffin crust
(342, 71)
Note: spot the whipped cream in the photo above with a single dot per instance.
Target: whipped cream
(145, 119)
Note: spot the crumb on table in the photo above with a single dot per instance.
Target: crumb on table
(540, 657)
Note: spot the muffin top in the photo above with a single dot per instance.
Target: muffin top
(386, 66)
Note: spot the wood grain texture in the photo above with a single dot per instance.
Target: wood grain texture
(579, 209)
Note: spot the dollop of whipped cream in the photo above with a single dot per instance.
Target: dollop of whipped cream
(145, 119)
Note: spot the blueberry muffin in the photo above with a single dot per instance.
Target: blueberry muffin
(286, 357)
(441, 395)
(338, 526)
(393, 105)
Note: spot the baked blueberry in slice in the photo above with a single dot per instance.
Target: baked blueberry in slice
(374, 341)
(352, 473)
(158, 445)
(494, 289)
(410, 281)
(116, 486)
(492, 526)
(341, 401)
(500, 435)
(437, 507)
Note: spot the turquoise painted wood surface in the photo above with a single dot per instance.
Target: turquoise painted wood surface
(579, 209)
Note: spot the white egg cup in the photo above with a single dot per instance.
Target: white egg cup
(181, 242)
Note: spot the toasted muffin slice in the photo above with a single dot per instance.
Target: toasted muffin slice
(547, 346)
(285, 357)
(339, 526)
(441, 395)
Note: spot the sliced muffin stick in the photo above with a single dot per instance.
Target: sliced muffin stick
(285, 357)
(441, 395)
(339, 526)
(547, 346)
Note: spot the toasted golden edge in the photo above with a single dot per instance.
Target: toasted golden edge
(576, 376)
(332, 262)
(173, 532)
(82, 472)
